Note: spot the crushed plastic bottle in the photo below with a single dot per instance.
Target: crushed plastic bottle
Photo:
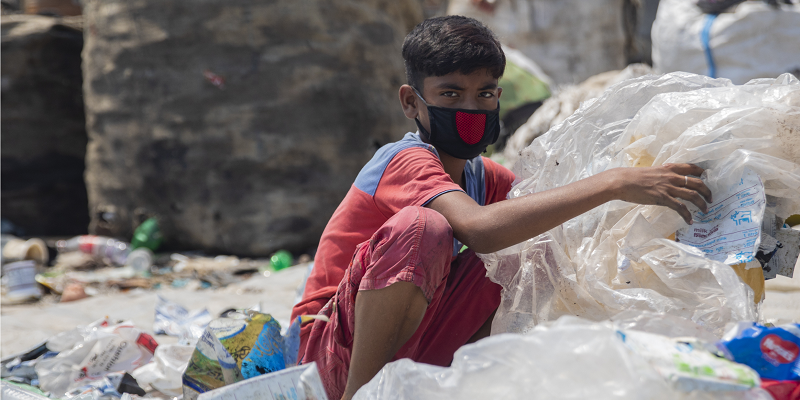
(99, 246)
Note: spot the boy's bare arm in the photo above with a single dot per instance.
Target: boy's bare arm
(499, 225)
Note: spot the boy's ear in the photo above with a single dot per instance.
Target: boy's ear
(408, 100)
(499, 92)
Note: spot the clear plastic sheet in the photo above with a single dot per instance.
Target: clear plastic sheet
(618, 257)
(571, 358)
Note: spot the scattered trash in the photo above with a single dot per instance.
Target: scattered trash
(72, 292)
(687, 366)
(112, 385)
(20, 281)
(98, 246)
(11, 391)
(301, 383)
(147, 235)
(165, 372)
(234, 349)
(280, 260)
(175, 320)
(774, 352)
(97, 350)
(140, 260)
(20, 371)
(19, 249)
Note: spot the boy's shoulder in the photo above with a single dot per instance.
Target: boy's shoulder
(371, 174)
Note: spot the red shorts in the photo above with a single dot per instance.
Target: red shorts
(415, 245)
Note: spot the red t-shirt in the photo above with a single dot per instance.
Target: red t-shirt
(401, 174)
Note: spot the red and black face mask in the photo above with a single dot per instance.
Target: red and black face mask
(460, 133)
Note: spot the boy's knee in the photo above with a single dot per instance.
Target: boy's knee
(435, 230)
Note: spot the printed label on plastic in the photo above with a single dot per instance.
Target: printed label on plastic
(731, 230)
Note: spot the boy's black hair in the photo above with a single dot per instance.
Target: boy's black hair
(442, 45)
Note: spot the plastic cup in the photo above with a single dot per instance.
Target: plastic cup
(21, 281)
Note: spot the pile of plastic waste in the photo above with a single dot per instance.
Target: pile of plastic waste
(573, 358)
(622, 256)
(107, 360)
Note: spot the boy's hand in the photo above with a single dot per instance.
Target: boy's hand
(663, 186)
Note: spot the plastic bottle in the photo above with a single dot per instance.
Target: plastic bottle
(280, 260)
(99, 246)
(147, 235)
(140, 260)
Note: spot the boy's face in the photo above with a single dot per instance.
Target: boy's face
(475, 91)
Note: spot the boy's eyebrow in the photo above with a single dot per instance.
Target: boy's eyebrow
(446, 85)
(453, 86)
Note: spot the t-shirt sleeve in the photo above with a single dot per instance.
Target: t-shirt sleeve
(414, 177)
(499, 181)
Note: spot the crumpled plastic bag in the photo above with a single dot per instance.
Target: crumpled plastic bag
(97, 350)
(165, 372)
(175, 320)
(571, 358)
(580, 267)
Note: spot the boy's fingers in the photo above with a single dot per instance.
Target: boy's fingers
(685, 169)
(694, 197)
(681, 209)
(697, 185)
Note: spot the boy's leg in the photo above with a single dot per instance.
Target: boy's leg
(465, 312)
(385, 320)
(397, 277)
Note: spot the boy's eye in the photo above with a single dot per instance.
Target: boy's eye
(449, 94)
(487, 95)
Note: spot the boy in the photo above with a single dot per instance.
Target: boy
(389, 271)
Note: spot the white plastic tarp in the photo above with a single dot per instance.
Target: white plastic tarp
(751, 40)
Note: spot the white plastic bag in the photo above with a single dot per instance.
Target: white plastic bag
(617, 256)
(751, 40)
(165, 372)
(571, 358)
(102, 350)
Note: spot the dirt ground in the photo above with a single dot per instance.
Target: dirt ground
(23, 326)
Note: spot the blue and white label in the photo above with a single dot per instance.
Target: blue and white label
(731, 230)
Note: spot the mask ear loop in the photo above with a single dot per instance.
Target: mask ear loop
(423, 132)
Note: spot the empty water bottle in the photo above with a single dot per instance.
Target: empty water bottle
(99, 246)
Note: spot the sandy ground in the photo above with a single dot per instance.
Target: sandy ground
(24, 326)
